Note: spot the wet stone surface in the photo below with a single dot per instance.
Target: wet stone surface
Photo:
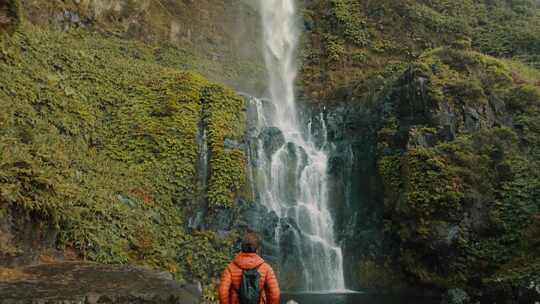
(87, 283)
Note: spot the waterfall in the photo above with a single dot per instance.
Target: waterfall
(291, 168)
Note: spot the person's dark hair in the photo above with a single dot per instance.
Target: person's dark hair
(250, 242)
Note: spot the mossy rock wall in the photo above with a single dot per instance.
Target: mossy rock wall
(347, 42)
(459, 162)
(100, 140)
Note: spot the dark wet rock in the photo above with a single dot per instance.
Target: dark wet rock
(445, 234)
(196, 221)
(233, 144)
(10, 15)
(295, 158)
(220, 219)
(354, 193)
(456, 296)
(23, 241)
(421, 137)
(70, 283)
(67, 20)
(256, 217)
(272, 139)
(255, 109)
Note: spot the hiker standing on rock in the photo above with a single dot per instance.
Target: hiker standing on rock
(248, 279)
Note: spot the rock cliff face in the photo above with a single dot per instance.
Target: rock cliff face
(434, 163)
(439, 168)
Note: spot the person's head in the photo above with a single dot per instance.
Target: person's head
(250, 242)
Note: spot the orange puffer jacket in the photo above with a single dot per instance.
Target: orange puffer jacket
(232, 277)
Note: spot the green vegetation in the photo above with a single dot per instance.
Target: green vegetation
(226, 121)
(100, 140)
(459, 212)
(379, 276)
(217, 38)
(353, 29)
(391, 33)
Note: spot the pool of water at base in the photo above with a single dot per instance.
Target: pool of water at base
(354, 298)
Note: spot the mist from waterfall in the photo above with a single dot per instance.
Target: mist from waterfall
(292, 178)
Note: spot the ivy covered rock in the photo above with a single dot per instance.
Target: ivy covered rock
(350, 41)
(98, 142)
(460, 172)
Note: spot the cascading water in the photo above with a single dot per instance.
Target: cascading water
(290, 171)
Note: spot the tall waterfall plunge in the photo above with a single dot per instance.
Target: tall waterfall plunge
(289, 168)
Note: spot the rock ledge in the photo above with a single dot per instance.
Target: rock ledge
(77, 282)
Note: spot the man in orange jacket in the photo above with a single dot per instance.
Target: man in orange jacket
(248, 259)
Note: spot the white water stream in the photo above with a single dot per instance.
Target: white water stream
(293, 180)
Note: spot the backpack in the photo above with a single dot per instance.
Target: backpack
(249, 286)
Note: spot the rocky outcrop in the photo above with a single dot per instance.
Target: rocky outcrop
(354, 187)
(10, 15)
(70, 283)
(434, 178)
(272, 139)
(26, 242)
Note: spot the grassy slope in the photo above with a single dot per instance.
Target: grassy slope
(349, 41)
(217, 38)
(99, 139)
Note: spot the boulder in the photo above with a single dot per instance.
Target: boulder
(78, 282)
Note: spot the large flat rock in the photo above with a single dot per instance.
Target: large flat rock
(87, 283)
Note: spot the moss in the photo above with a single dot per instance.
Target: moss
(522, 73)
(215, 38)
(352, 27)
(462, 44)
(389, 167)
(481, 182)
(225, 120)
(420, 186)
(467, 92)
(435, 185)
(521, 98)
(379, 277)
(465, 77)
(104, 145)
(401, 31)
(334, 48)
